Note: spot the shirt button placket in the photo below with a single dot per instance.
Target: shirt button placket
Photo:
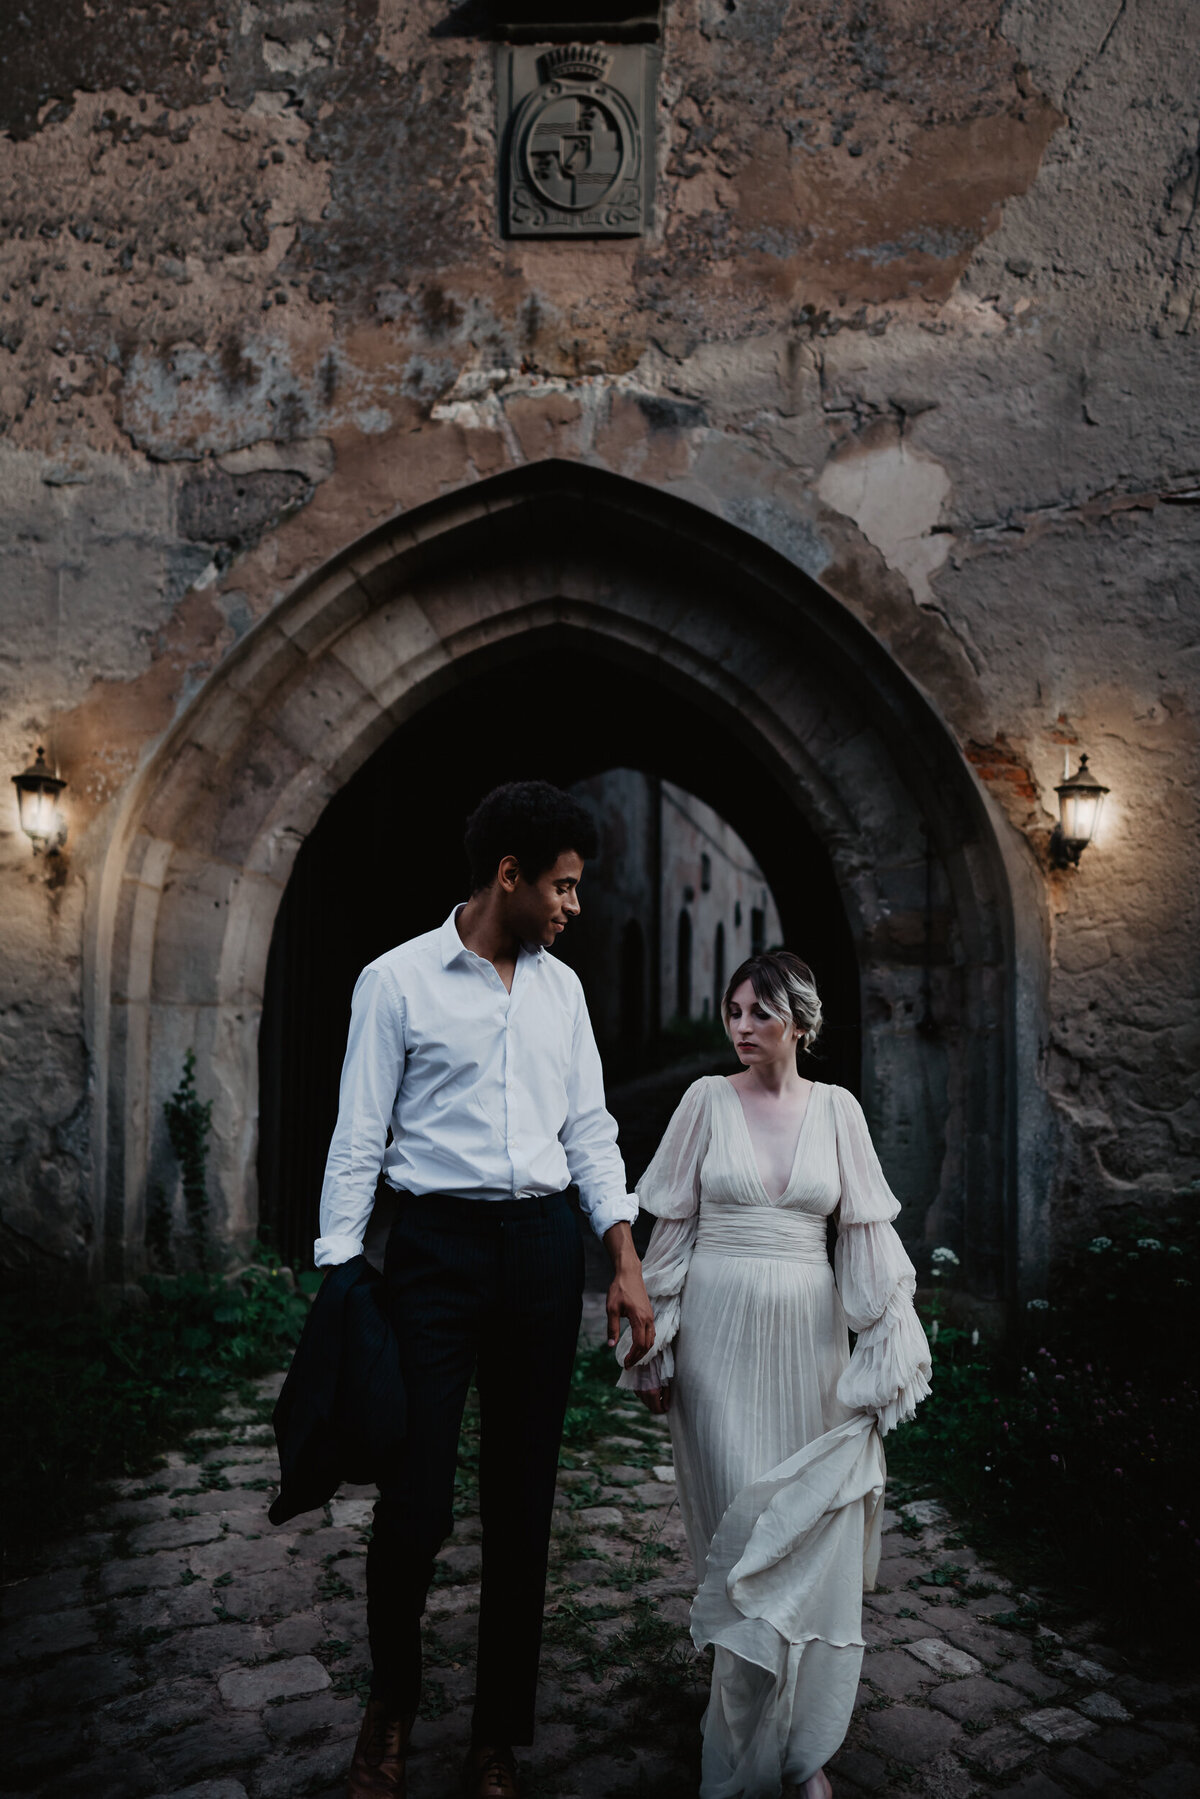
(508, 1100)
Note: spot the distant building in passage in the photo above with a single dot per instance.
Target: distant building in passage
(675, 902)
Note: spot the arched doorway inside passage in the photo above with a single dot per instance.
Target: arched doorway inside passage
(182, 914)
(385, 862)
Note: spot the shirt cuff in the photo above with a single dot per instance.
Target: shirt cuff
(328, 1252)
(607, 1212)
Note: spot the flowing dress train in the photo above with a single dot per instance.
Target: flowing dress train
(776, 1426)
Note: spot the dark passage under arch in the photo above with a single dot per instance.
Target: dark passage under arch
(683, 965)
(385, 862)
(633, 982)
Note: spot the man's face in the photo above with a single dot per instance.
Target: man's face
(541, 909)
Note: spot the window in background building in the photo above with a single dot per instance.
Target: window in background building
(683, 966)
(705, 872)
(633, 983)
(737, 915)
(718, 970)
(758, 930)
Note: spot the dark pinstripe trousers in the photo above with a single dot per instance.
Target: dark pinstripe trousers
(491, 1288)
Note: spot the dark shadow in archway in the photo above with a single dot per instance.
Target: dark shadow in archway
(385, 862)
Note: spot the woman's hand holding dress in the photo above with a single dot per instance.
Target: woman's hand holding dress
(889, 1370)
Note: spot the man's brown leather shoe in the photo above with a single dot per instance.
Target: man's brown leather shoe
(377, 1768)
(490, 1772)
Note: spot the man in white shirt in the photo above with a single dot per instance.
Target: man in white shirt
(472, 1046)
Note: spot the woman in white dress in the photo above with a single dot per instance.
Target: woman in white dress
(776, 1426)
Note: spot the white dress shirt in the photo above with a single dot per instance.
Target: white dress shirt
(488, 1094)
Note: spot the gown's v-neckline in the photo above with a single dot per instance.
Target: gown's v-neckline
(741, 1112)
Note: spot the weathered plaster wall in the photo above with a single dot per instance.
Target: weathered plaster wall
(919, 311)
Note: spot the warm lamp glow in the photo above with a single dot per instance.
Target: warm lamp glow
(1080, 800)
(37, 803)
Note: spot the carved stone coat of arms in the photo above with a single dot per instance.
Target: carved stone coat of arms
(578, 160)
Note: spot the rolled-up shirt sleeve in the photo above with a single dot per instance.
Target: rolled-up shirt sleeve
(371, 1076)
(589, 1133)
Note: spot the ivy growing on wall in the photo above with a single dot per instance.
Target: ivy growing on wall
(189, 1125)
(158, 1231)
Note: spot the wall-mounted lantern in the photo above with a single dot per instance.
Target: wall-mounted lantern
(1080, 800)
(37, 802)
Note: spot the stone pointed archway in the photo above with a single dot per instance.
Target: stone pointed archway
(183, 916)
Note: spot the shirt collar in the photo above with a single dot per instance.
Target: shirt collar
(449, 941)
(452, 945)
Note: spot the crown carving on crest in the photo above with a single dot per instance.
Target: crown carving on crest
(576, 62)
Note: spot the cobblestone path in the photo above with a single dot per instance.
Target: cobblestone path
(183, 1646)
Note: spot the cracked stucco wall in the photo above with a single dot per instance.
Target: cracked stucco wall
(919, 309)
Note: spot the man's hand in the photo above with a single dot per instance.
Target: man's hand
(657, 1399)
(627, 1296)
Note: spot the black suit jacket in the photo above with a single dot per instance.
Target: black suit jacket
(341, 1413)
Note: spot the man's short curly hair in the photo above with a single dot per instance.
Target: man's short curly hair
(530, 820)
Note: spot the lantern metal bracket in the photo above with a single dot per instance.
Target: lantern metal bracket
(1064, 851)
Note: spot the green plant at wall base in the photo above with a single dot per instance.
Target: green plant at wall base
(88, 1395)
(1074, 1449)
(189, 1125)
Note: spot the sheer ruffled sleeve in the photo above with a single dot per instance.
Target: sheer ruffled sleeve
(888, 1373)
(670, 1187)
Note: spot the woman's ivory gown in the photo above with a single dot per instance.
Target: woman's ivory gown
(776, 1426)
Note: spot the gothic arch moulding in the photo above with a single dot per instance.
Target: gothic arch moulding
(182, 922)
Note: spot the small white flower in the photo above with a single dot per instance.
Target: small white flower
(933, 1331)
(945, 1255)
(975, 1339)
(1099, 1244)
(1038, 1305)
(1148, 1243)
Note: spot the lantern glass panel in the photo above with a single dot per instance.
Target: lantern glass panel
(37, 803)
(1081, 814)
(37, 813)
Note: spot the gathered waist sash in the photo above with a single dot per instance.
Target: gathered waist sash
(762, 1231)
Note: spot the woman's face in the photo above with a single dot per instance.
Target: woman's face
(757, 1035)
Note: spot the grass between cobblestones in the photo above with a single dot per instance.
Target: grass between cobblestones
(182, 1640)
(619, 1668)
(972, 1680)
